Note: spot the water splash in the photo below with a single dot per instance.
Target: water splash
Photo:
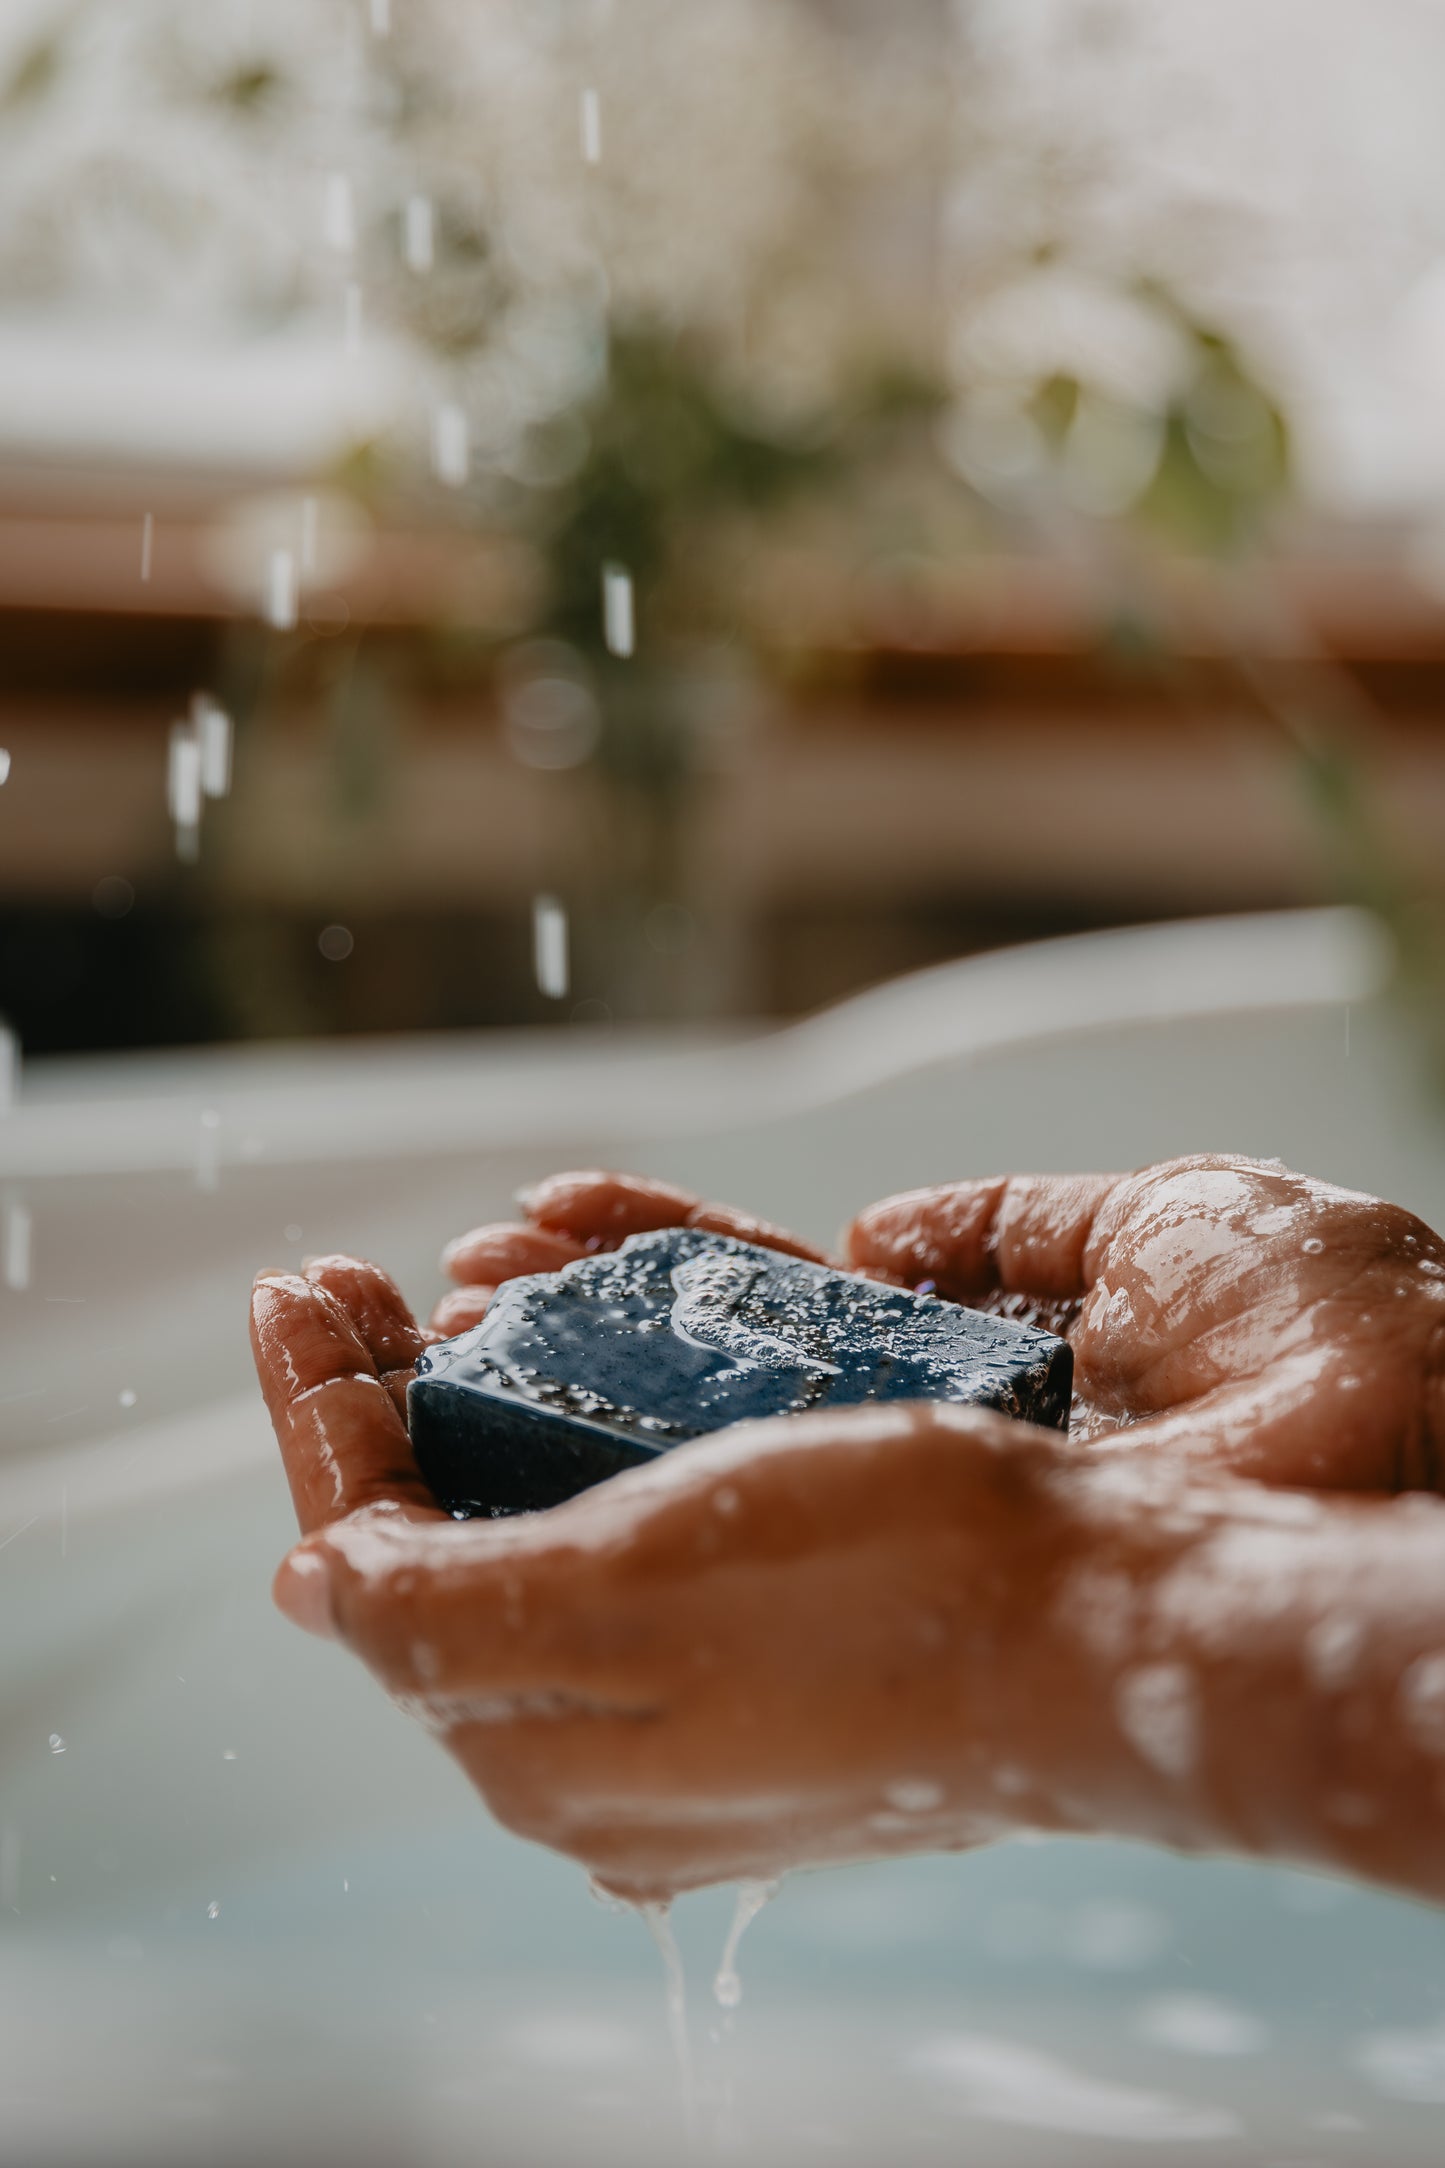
(727, 1986)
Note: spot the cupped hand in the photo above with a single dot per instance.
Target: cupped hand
(1221, 1310)
(838, 1635)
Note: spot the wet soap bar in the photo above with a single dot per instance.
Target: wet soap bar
(574, 1375)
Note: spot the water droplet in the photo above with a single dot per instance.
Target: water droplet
(213, 1909)
(18, 1245)
(549, 947)
(281, 593)
(418, 234)
(590, 122)
(228, 1753)
(1312, 1246)
(618, 628)
(126, 1396)
(57, 1744)
(336, 943)
(1431, 1270)
(727, 1987)
(338, 214)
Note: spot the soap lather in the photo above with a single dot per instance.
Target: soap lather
(573, 1376)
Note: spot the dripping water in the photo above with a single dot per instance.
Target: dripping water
(751, 1897)
(659, 1926)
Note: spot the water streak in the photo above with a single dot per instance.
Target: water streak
(659, 1926)
(751, 1897)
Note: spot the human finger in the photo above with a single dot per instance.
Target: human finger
(460, 1310)
(375, 1305)
(342, 1440)
(377, 1308)
(595, 1207)
(486, 1256)
(1023, 1234)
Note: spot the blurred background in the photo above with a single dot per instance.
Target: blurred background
(607, 510)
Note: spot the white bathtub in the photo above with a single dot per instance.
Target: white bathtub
(247, 1913)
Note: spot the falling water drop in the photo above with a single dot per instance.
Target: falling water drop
(310, 536)
(450, 444)
(212, 726)
(617, 613)
(213, 1909)
(418, 242)
(183, 789)
(549, 947)
(338, 214)
(147, 544)
(57, 1744)
(4, 765)
(590, 122)
(727, 1987)
(281, 590)
(19, 1245)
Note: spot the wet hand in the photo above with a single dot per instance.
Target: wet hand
(861, 1631)
(1223, 1311)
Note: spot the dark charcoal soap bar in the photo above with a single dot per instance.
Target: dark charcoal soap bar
(574, 1375)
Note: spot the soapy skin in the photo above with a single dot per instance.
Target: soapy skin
(1213, 1616)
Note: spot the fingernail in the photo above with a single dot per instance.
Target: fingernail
(302, 1593)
